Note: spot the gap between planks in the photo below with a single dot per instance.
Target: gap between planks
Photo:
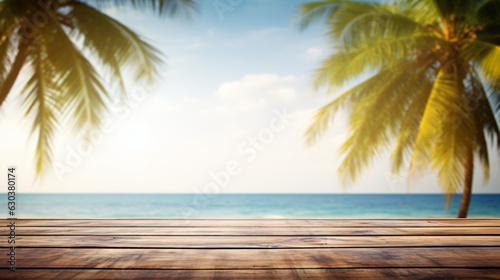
(141, 258)
(347, 273)
(251, 241)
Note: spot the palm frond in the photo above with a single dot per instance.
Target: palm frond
(409, 128)
(490, 33)
(354, 18)
(7, 40)
(484, 113)
(62, 83)
(482, 145)
(355, 22)
(40, 101)
(425, 12)
(444, 117)
(488, 12)
(454, 46)
(486, 55)
(342, 67)
(82, 91)
(165, 7)
(378, 23)
(347, 100)
(450, 153)
(456, 133)
(377, 118)
(117, 47)
(159, 7)
(5, 59)
(318, 10)
(453, 8)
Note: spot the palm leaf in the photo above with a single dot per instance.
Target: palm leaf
(117, 47)
(362, 27)
(453, 52)
(318, 10)
(7, 27)
(485, 120)
(82, 91)
(409, 128)
(347, 100)
(377, 118)
(438, 136)
(487, 56)
(159, 7)
(342, 67)
(40, 100)
(5, 60)
(488, 12)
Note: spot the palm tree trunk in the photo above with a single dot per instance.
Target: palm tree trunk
(16, 67)
(469, 171)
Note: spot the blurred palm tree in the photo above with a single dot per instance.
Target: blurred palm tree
(430, 84)
(52, 40)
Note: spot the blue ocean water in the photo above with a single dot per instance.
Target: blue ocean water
(247, 206)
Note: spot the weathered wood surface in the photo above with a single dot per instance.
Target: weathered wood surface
(254, 249)
(257, 223)
(257, 274)
(257, 258)
(252, 241)
(244, 231)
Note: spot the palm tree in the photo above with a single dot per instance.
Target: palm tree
(53, 42)
(430, 84)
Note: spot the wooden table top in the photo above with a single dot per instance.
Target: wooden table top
(253, 249)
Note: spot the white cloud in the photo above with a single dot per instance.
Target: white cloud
(231, 109)
(251, 85)
(314, 53)
(286, 94)
(252, 93)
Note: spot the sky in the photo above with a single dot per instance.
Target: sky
(228, 115)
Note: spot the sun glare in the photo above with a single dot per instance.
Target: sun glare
(134, 135)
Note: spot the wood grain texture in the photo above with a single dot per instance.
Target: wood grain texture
(251, 241)
(263, 231)
(254, 249)
(257, 274)
(480, 257)
(258, 223)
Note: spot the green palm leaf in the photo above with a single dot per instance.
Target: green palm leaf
(452, 54)
(63, 84)
(160, 7)
(84, 93)
(40, 100)
(124, 50)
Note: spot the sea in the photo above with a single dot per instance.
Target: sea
(247, 206)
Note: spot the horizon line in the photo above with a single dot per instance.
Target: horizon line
(214, 194)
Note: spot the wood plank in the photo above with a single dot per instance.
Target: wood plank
(368, 274)
(257, 222)
(255, 249)
(199, 231)
(251, 241)
(462, 257)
